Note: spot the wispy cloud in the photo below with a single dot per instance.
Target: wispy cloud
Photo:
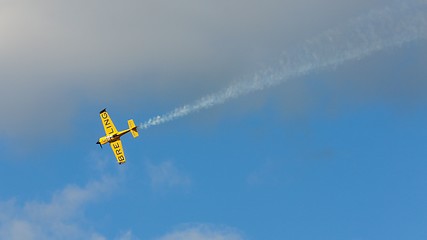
(203, 232)
(128, 235)
(166, 175)
(59, 218)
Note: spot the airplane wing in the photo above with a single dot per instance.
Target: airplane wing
(118, 151)
(107, 122)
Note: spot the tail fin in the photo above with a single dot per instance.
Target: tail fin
(133, 128)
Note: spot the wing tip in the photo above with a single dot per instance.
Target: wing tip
(103, 110)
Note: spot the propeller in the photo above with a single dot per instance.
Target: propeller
(99, 144)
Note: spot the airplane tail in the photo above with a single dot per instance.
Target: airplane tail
(133, 128)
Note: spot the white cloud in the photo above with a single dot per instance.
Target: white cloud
(166, 175)
(203, 232)
(60, 218)
(128, 235)
(57, 53)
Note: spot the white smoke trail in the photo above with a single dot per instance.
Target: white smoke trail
(376, 31)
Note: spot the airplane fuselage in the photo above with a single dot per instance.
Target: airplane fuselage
(112, 137)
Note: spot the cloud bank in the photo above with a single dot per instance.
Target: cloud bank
(64, 215)
(60, 218)
(57, 56)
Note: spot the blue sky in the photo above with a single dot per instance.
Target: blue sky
(337, 153)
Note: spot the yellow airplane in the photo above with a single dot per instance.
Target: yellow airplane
(113, 136)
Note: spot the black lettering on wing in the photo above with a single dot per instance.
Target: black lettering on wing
(107, 122)
(111, 130)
